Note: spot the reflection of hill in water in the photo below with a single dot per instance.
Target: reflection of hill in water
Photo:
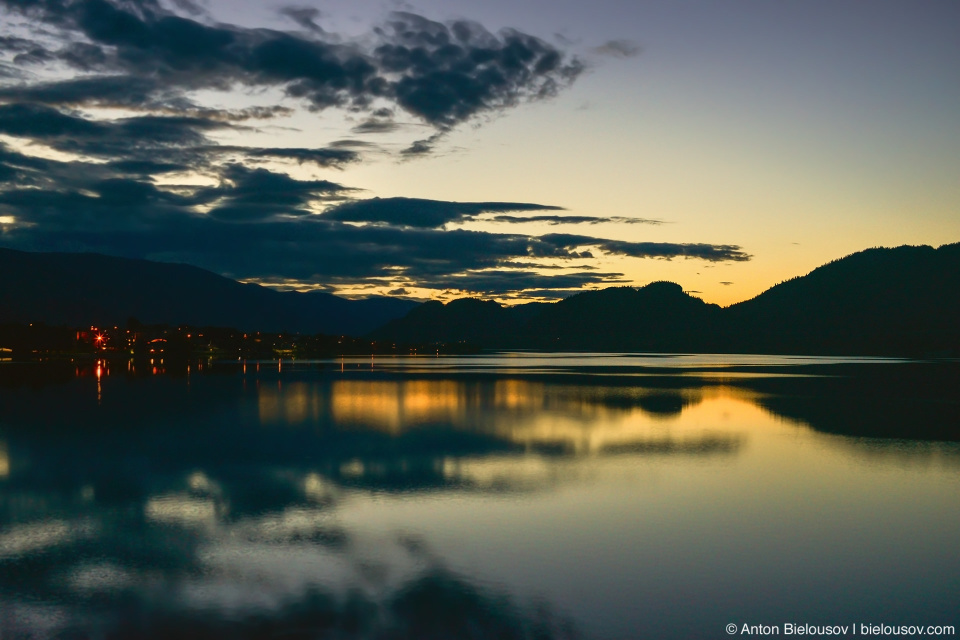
(398, 433)
(263, 437)
(871, 417)
(914, 401)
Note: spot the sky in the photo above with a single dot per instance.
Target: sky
(514, 151)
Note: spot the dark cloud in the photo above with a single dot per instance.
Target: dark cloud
(322, 157)
(306, 17)
(449, 73)
(258, 194)
(103, 204)
(145, 168)
(726, 284)
(416, 212)
(139, 221)
(516, 264)
(16, 44)
(120, 195)
(44, 123)
(9, 71)
(571, 219)
(84, 56)
(619, 49)
(667, 250)
(177, 141)
(444, 74)
(373, 125)
(398, 292)
(142, 137)
(501, 282)
(421, 147)
(353, 144)
(37, 55)
(119, 91)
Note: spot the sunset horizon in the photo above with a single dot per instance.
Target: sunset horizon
(505, 152)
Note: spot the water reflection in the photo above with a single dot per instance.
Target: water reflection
(305, 501)
(4, 460)
(512, 414)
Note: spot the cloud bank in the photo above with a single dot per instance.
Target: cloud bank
(107, 147)
(139, 54)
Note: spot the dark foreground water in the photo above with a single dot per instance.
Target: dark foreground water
(514, 496)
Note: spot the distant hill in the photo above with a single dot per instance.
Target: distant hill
(76, 289)
(902, 300)
(879, 301)
(659, 316)
(478, 322)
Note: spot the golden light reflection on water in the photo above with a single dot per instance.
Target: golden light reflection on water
(183, 510)
(293, 403)
(573, 418)
(4, 460)
(396, 406)
(696, 420)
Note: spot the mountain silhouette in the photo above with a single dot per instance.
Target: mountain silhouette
(79, 289)
(659, 316)
(901, 300)
(477, 322)
(898, 301)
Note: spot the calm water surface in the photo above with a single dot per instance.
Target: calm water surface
(506, 496)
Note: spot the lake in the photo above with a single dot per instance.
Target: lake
(514, 495)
